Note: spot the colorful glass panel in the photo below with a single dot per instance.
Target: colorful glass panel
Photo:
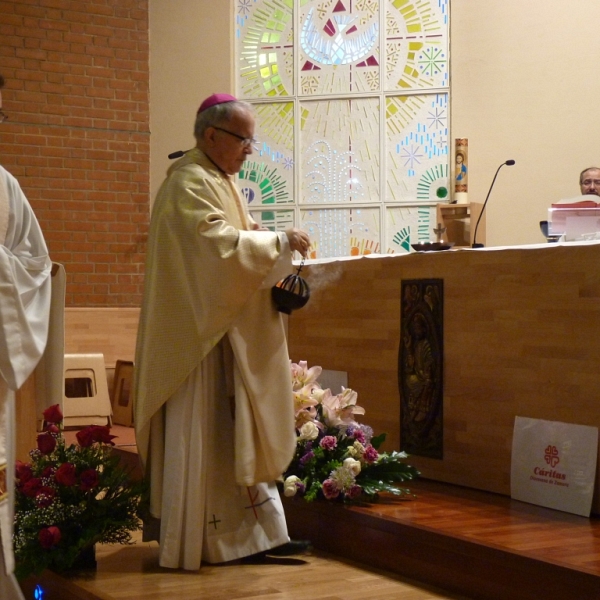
(351, 100)
(274, 220)
(264, 36)
(416, 44)
(339, 47)
(342, 231)
(268, 176)
(417, 148)
(408, 225)
(340, 151)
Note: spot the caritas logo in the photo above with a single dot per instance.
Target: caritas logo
(551, 456)
(550, 476)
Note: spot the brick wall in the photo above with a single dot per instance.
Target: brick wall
(77, 138)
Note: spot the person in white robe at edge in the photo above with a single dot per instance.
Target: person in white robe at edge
(213, 405)
(25, 280)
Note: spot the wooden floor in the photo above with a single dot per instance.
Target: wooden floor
(468, 544)
(478, 544)
(128, 573)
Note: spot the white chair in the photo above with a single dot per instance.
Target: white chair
(85, 399)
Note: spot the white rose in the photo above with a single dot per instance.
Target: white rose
(308, 431)
(289, 486)
(353, 465)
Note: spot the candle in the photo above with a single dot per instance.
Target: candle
(461, 170)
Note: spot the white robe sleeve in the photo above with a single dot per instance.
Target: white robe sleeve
(25, 281)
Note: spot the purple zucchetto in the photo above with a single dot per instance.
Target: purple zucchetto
(216, 99)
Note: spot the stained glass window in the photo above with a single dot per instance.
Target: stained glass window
(351, 100)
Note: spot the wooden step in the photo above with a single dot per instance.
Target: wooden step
(470, 542)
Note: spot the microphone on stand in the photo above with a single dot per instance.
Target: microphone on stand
(510, 163)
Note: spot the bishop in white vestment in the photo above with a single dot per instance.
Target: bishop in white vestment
(213, 403)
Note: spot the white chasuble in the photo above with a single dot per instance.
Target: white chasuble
(208, 327)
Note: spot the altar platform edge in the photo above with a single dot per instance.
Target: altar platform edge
(481, 545)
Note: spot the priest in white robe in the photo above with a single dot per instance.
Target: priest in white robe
(213, 403)
(25, 270)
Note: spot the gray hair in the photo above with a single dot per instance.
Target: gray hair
(219, 114)
(585, 171)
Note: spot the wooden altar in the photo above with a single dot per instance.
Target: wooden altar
(521, 337)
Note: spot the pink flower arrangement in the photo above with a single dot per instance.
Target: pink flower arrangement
(336, 456)
(70, 497)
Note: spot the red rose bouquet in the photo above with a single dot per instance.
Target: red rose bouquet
(69, 498)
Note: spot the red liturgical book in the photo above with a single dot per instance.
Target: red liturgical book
(581, 204)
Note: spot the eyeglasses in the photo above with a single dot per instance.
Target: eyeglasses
(3, 116)
(590, 181)
(247, 142)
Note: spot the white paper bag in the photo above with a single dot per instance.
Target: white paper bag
(554, 464)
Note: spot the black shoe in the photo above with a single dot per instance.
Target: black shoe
(291, 548)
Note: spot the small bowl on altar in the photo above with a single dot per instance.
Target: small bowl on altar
(432, 246)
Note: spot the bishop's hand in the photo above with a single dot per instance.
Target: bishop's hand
(299, 240)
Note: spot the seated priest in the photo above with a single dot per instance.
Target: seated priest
(589, 181)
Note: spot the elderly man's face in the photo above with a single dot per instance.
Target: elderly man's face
(590, 182)
(230, 143)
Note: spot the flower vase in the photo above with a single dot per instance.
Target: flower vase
(85, 560)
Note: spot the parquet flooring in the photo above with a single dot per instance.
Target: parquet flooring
(128, 573)
(469, 544)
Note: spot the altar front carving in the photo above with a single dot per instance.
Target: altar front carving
(420, 367)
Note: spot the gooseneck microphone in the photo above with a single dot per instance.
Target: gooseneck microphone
(510, 163)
